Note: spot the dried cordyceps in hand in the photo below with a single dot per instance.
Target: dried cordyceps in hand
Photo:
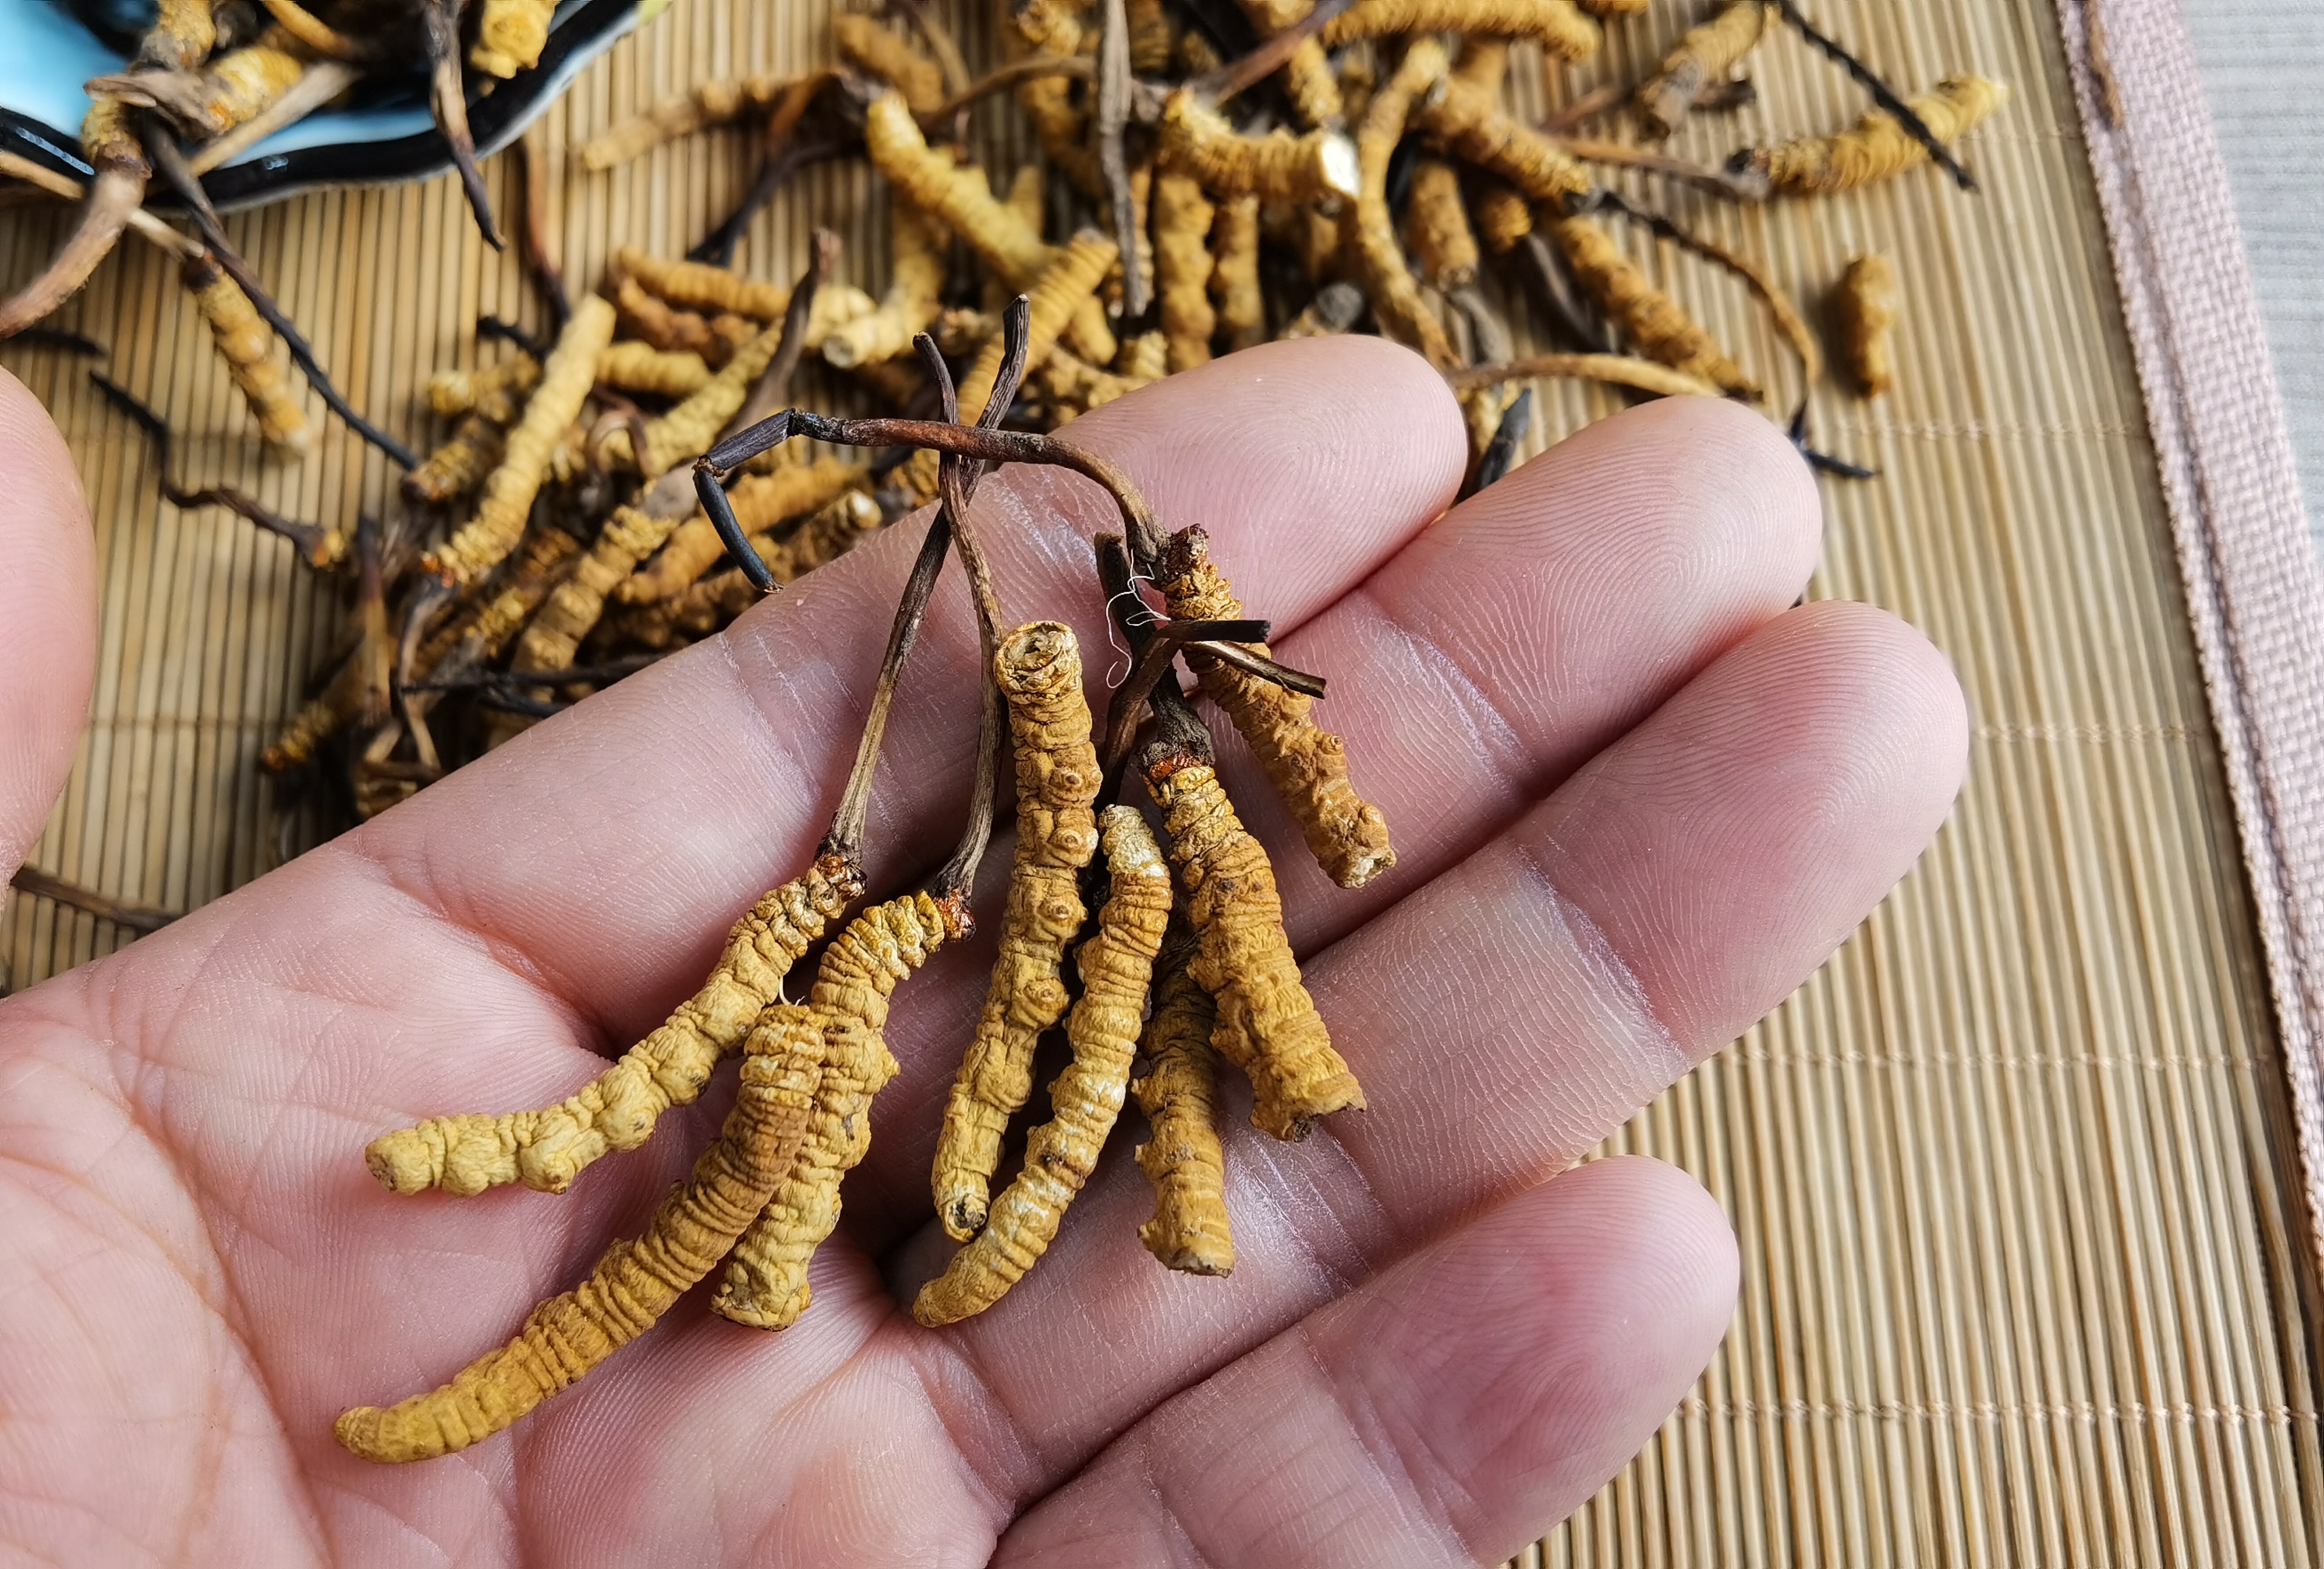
(1703, 55)
(1877, 148)
(546, 1149)
(1116, 966)
(1867, 317)
(1306, 765)
(1039, 671)
(634, 1283)
(1268, 1025)
(765, 1280)
(1179, 1093)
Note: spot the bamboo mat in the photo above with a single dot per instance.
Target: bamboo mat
(2026, 1278)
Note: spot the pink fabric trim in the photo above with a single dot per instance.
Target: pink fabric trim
(2255, 591)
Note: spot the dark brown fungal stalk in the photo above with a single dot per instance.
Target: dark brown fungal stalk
(1112, 115)
(140, 919)
(117, 191)
(63, 342)
(1622, 155)
(1267, 56)
(1501, 451)
(957, 480)
(447, 101)
(604, 674)
(170, 163)
(774, 384)
(782, 154)
(1712, 97)
(982, 442)
(540, 248)
(1571, 313)
(319, 547)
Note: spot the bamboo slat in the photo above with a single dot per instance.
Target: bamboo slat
(2023, 1276)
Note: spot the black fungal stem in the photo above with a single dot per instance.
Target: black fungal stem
(169, 162)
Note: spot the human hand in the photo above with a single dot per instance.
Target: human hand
(1637, 797)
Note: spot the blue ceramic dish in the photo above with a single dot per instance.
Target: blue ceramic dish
(384, 136)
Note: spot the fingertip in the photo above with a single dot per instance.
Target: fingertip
(1729, 844)
(1709, 463)
(1661, 1244)
(1524, 1358)
(47, 617)
(1888, 689)
(1336, 449)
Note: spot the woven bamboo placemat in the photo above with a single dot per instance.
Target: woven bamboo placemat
(2026, 1276)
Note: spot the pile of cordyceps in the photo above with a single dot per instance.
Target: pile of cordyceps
(1353, 164)
(1207, 943)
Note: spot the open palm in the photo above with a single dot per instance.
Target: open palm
(1638, 799)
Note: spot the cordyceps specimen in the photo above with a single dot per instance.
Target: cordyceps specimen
(1039, 671)
(1116, 966)
(635, 1282)
(1183, 1157)
(767, 1195)
(1306, 765)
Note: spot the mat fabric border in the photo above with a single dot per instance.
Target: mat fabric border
(2254, 589)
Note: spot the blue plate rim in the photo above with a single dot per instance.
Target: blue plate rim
(496, 119)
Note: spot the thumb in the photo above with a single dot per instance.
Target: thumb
(47, 617)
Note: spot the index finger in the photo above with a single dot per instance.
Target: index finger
(47, 619)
